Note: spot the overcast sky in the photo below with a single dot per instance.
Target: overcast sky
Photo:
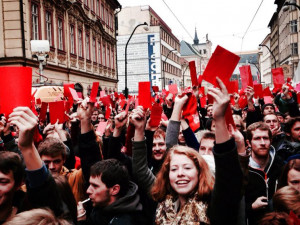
(225, 22)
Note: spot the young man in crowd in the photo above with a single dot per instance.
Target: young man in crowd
(264, 170)
(114, 197)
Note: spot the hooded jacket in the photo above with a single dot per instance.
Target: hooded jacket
(124, 211)
(262, 183)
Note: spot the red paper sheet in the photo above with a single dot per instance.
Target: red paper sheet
(203, 101)
(106, 100)
(210, 99)
(200, 78)
(173, 89)
(38, 101)
(268, 99)
(67, 92)
(145, 94)
(246, 76)
(94, 92)
(102, 94)
(155, 88)
(298, 98)
(233, 87)
(74, 94)
(155, 116)
(243, 101)
(258, 91)
(43, 111)
(267, 92)
(122, 103)
(193, 73)
(297, 87)
(278, 76)
(222, 63)
(107, 113)
(57, 112)
(101, 128)
(229, 118)
(15, 88)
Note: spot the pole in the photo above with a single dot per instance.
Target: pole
(165, 61)
(126, 88)
(273, 58)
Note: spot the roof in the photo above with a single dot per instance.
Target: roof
(187, 49)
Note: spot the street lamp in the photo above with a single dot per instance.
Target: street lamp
(172, 50)
(146, 28)
(270, 53)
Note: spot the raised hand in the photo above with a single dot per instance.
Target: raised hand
(138, 120)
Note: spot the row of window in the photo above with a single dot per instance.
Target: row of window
(171, 69)
(294, 48)
(101, 53)
(294, 26)
(97, 7)
(165, 51)
(171, 41)
(80, 41)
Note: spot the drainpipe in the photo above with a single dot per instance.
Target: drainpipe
(22, 31)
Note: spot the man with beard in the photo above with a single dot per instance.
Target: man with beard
(158, 151)
(264, 170)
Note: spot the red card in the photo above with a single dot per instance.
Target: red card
(107, 112)
(116, 94)
(200, 78)
(155, 116)
(203, 101)
(297, 88)
(38, 101)
(190, 107)
(268, 99)
(267, 92)
(194, 121)
(43, 111)
(67, 92)
(193, 73)
(243, 102)
(246, 76)
(145, 94)
(155, 88)
(102, 94)
(74, 94)
(258, 91)
(121, 96)
(202, 91)
(210, 99)
(15, 88)
(278, 76)
(164, 92)
(57, 112)
(94, 92)
(173, 89)
(228, 117)
(233, 86)
(298, 98)
(222, 63)
(122, 103)
(101, 128)
(128, 104)
(106, 100)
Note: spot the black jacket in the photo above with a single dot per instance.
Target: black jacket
(124, 211)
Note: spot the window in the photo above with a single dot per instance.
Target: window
(294, 48)
(294, 26)
(106, 17)
(86, 3)
(35, 21)
(108, 56)
(99, 52)
(102, 12)
(92, 5)
(103, 55)
(112, 58)
(94, 50)
(98, 7)
(87, 46)
(80, 41)
(72, 40)
(204, 51)
(60, 34)
(49, 27)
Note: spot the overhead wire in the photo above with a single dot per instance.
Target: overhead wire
(178, 20)
(250, 24)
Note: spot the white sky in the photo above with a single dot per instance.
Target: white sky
(225, 21)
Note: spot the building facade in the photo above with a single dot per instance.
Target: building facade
(152, 54)
(284, 37)
(265, 61)
(81, 34)
(198, 52)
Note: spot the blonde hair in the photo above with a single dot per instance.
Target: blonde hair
(36, 217)
(162, 187)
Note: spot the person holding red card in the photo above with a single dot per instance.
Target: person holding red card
(192, 187)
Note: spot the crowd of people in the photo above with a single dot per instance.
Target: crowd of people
(136, 171)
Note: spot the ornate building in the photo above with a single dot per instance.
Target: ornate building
(82, 37)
